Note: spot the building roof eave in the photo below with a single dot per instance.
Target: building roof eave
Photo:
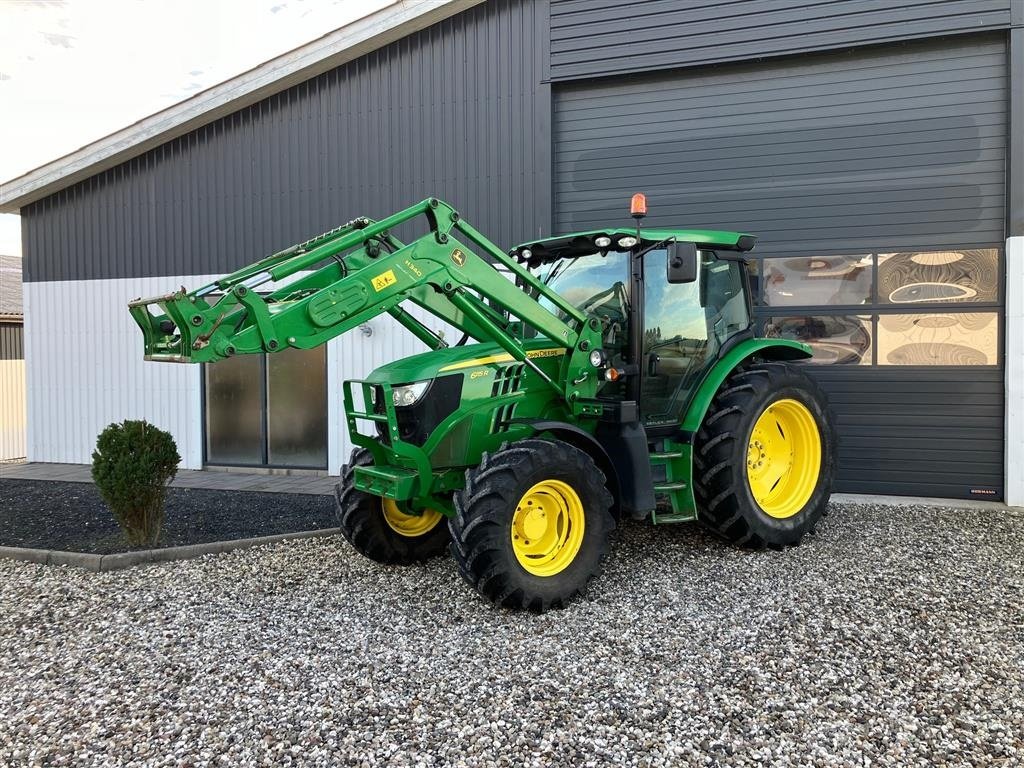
(393, 22)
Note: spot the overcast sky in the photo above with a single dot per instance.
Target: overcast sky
(73, 71)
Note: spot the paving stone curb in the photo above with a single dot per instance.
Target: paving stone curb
(121, 560)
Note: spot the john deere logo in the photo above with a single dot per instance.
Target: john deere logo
(458, 257)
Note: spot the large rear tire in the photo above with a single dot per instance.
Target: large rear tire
(531, 526)
(764, 459)
(378, 529)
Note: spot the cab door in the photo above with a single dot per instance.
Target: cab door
(685, 326)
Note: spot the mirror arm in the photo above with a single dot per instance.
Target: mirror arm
(655, 246)
(742, 258)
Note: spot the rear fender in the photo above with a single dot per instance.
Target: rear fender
(766, 349)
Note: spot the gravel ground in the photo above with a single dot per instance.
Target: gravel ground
(893, 637)
(73, 517)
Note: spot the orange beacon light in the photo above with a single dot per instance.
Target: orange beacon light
(638, 206)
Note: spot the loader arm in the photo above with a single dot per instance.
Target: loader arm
(357, 272)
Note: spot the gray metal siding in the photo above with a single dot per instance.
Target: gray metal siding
(893, 148)
(457, 110)
(917, 431)
(605, 37)
(1015, 170)
(886, 149)
(12, 346)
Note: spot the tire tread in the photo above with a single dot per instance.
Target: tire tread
(719, 484)
(496, 483)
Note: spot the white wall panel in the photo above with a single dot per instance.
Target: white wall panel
(85, 369)
(1015, 371)
(84, 363)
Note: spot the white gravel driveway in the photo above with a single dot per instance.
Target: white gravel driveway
(893, 637)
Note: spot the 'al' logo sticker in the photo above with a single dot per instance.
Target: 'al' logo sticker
(383, 280)
(458, 257)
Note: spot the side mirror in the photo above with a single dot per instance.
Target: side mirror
(682, 262)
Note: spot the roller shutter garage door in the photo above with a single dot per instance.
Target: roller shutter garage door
(875, 181)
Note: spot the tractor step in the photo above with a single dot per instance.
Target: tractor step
(666, 455)
(670, 465)
(681, 517)
(669, 487)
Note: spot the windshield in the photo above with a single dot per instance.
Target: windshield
(596, 284)
(599, 286)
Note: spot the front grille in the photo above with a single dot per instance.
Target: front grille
(379, 410)
(508, 380)
(417, 422)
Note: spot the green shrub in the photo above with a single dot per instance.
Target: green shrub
(132, 464)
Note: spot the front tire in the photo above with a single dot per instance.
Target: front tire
(532, 524)
(378, 529)
(764, 458)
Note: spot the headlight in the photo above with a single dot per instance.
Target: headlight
(603, 241)
(627, 242)
(408, 394)
(525, 254)
(597, 358)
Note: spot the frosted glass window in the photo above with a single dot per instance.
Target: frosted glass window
(834, 339)
(930, 277)
(939, 339)
(234, 411)
(818, 281)
(268, 410)
(297, 408)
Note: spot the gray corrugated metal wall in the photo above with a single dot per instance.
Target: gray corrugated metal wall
(11, 341)
(917, 431)
(886, 149)
(607, 37)
(1015, 168)
(458, 110)
(890, 148)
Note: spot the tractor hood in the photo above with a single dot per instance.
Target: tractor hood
(465, 359)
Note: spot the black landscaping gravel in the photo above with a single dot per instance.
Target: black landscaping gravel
(894, 637)
(72, 516)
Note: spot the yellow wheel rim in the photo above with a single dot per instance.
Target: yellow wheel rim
(547, 528)
(784, 458)
(409, 525)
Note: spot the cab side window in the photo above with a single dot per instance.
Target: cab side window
(675, 345)
(724, 300)
(685, 325)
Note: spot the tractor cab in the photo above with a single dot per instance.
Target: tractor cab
(670, 303)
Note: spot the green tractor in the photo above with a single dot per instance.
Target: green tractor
(598, 375)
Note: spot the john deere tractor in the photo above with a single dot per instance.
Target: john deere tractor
(598, 375)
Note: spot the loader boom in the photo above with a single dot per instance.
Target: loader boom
(357, 272)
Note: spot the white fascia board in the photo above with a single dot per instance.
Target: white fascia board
(400, 19)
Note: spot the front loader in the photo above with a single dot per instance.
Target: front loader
(600, 374)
